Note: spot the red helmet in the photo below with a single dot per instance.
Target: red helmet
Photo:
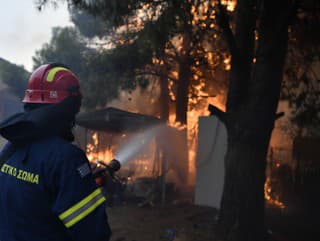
(50, 84)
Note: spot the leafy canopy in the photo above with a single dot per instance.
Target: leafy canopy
(14, 76)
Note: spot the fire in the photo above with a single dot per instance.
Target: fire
(272, 198)
(197, 106)
(227, 63)
(230, 4)
(142, 164)
(94, 154)
(198, 103)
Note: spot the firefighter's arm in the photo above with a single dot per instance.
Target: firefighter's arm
(79, 203)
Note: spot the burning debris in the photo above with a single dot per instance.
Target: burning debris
(271, 196)
(150, 164)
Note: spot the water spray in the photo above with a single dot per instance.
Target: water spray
(124, 154)
(136, 144)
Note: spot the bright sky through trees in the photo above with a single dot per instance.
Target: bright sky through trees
(24, 29)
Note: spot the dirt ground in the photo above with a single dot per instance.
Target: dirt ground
(171, 223)
(192, 223)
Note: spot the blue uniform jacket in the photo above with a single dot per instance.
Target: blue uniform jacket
(47, 193)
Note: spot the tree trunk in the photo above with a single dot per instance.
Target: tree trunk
(242, 210)
(182, 101)
(182, 92)
(242, 55)
(184, 81)
(249, 128)
(164, 95)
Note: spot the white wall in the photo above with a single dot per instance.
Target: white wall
(212, 147)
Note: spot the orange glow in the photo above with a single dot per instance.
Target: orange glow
(227, 63)
(192, 127)
(142, 165)
(231, 4)
(94, 155)
(272, 198)
(200, 14)
(197, 106)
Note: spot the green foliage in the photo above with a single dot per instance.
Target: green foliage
(102, 72)
(66, 46)
(137, 31)
(89, 26)
(15, 76)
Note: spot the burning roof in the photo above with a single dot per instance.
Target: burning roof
(115, 120)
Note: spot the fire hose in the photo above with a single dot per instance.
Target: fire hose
(101, 169)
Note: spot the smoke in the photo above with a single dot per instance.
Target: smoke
(172, 147)
(139, 100)
(160, 146)
(136, 144)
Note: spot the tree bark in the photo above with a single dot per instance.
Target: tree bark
(242, 55)
(250, 124)
(164, 95)
(242, 210)
(182, 101)
(184, 81)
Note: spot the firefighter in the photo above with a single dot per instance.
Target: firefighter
(47, 191)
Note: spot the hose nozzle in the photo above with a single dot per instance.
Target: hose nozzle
(114, 165)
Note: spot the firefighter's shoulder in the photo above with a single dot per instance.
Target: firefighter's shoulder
(58, 148)
(55, 153)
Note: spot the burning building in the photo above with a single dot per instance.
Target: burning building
(144, 145)
(153, 149)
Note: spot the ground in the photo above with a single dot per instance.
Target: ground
(183, 222)
(186, 222)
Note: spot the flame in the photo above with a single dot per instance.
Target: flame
(198, 103)
(202, 12)
(230, 4)
(94, 154)
(197, 106)
(227, 62)
(271, 197)
(141, 165)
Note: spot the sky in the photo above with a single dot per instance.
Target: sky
(24, 29)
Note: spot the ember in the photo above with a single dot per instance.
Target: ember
(271, 196)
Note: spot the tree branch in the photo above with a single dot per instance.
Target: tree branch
(278, 115)
(174, 50)
(154, 73)
(218, 113)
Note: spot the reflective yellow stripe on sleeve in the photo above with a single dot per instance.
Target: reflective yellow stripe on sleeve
(81, 209)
